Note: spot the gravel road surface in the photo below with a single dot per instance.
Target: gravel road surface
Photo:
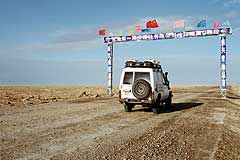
(200, 125)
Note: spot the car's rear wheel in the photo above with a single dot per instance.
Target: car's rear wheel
(156, 106)
(128, 107)
(168, 102)
(156, 109)
(141, 89)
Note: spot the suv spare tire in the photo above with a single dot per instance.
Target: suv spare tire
(141, 89)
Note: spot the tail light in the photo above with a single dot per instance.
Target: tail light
(119, 94)
(152, 95)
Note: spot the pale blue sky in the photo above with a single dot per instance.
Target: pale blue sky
(56, 42)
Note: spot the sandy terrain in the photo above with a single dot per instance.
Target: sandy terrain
(37, 95)
(82, 123)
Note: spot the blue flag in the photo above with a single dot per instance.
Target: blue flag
(146, 30)
(202, 23)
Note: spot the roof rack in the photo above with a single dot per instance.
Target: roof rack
(144, 64)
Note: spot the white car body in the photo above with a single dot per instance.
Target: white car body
(154, 76)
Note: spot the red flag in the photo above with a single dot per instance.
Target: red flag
(138, 28)
(216, 24)
(102, 32)
(178, 24)
(152, 24)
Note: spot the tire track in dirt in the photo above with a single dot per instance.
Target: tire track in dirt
(55, 131)
(31, 140)
(138, 128)
(101, 129)
(193, 134)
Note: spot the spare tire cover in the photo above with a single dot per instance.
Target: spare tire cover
(141, 89)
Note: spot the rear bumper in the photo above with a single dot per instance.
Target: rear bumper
(136, 101)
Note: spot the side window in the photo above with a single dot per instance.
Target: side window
(128, 78)
(142, 75)
(161, 78)
(158, 78)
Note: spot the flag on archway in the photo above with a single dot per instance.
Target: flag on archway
(189, 27)
(202, 23)
(216, 24)
(138, 28)
(178, 24)
(146, 30)
(152, 24)
(168, 30)
(120, 33)
(130, 32)
(226, 24)
(102, 32)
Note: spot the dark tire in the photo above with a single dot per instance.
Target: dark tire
(157, 103)
(168, 102)
(141, 89)
(156, 110)
(156, 107)
(128, 107)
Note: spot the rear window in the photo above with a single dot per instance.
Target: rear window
(128, 78)
(142, 75)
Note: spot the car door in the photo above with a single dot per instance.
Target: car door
(126, 85)
(163, 86)
(159, 83)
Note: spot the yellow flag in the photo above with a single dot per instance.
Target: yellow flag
(130, 32)
(168, 30)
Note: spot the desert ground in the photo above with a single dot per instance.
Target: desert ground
(83, 123)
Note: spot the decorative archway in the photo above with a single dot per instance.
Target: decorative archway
(223, 32)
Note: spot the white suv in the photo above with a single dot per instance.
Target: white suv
(144, 83)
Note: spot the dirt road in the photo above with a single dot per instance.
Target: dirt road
(200, 125)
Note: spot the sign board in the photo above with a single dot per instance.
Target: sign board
(169, 35)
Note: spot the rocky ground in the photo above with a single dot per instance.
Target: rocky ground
(13, 96)
(82, 123)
